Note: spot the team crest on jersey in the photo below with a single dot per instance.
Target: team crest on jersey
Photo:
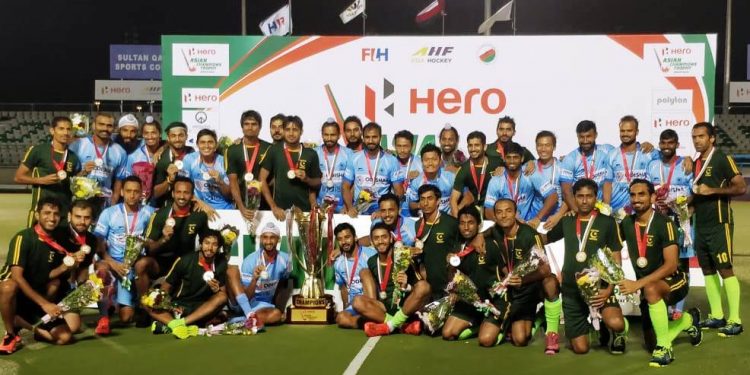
(708, 171)
(302, 164)
(191, 228)
(480, 259)
(650, 240)
(518, 253)
(69, 166)
(594, 235)
(440, 237)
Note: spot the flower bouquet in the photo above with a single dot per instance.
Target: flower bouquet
(466, 291)
(227, 329)
(157, 299)
(85, 188)
(82, 296)
(588, 283)
(224, 143)
(401, 262)
(252, 193)
(365, 201)
(680, 207)
(536, 257)
(435, 313)
(133, 249)
(610, 271)
(80, 125)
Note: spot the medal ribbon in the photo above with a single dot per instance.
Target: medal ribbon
(540, 167)
(699, 164)
(80, 239)
(500, 149)
(514, 190)
(369, 171)
(349, 275)
(406, 174)
(421, 227)
(642, 240)
(672, 165)
(384, 282)
(99, 155)
(582, 240)
(628, 172)
(206, 267)
(44, 237)
(480, 180)
(586, 164)
(332, 166)
(249, 165)
(61, 165)
(135, 220)
(289, 161)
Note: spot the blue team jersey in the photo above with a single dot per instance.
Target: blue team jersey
(414, 166)
(279, 270)
(114, 160)
(444, 181)
(342, 163)
(526, 189)
(111, 227)
(342, 270)
(572, 168)
(207, 190)
(680, 184)
(637, 162)
(387, 174)
(407, 230)
(551, 173)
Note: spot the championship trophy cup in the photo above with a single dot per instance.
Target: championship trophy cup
(311, 305)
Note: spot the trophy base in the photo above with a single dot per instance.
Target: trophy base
(311, 310)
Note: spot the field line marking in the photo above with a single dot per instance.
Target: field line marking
(360, 358)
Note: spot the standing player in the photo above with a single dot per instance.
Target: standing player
(583, 234)
(276, 127)
(48, 168)
(353, 133)
(170, 163)
(334, 161)
(549, 168)
(115, 224)
(142, 162)
(474, 175)
(409, 165)
(434, 175)
(451, 157)
(127, 133)
(588, 161)
(506, 129)
(717, 180)
(206, 169)
(652, 246)
(243, 161)
(346, 268)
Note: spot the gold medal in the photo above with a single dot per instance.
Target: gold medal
(61, 174)
(291, 175)
(69, 261)
(642, 262)
(581, 257)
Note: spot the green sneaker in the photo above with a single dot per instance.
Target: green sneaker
(731, 329)
(661, 357)
(181, 332)
(192, 330)
(159, 328)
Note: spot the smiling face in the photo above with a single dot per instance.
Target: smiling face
(182, 194)
(587, 140)
(468, 226)
(151, 135)
(209, 247)
(628, 132)
(431, 162)
(381, 240)
(346, 241)
(62, 131)
(475, 147)
(545, 147)
(389, 212)
(330, 136)
(269, 241)
(505, 132)
(207, 145)
(505, 214)
(131, 193)
(177, 137)
(641, 198)
(448, 141)
(292, 133)
(48, 217)
(103, 127)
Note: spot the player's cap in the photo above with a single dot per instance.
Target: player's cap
(270, 228)
(128, 120)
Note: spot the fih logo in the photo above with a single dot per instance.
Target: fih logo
(434, 54)
(370, 100)
(486, 54)
(374, 54)
(742, 92)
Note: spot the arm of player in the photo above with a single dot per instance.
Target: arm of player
(368, 283)
(116, 191)
(234, 187)
(607, 192)
(348, 195)
(48, 307)
(549, 204)
(671, 256)
(567, 190)
(344, 295)
(278, 212)
(283, 291)
(455, 197)
(737, 186)
(23, 177)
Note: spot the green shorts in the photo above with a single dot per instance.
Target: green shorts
(524, 302)
(576, 312)
(714, 246)
(678, 290)
(469, 313)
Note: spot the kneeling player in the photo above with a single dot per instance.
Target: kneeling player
(483, 269)
(375, 305)
(652, 245)
(346, 268)
(259, 287)
(196, 280)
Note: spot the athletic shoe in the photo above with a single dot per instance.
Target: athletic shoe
(731, 329)
(661, 357)
(102, 327)
(412, 328)
(181, 332)
(376, 329)
(618, 343)
(552, 343)
(10, 343)
(694, 331)
(192, 330)
(713, 323)
(158, 328)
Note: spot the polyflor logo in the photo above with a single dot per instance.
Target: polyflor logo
(434, 54)
(200, 59)
(486, 54)
(672, 100)
(200, 98)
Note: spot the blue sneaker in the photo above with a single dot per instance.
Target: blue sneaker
(661, 357)
(731, 329)
(712, 323)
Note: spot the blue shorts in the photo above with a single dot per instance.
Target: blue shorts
(255, 305)
(123, 296)
(350, 310)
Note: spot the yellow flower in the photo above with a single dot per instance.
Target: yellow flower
(365, 196)
(681, 200)
(254, 184)
(96, 280)
(583, 280)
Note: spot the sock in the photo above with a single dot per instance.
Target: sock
(397, 320)
(244, 304)
(552, 314)
(535, 325)
(658, 313)
(176, 323)
(104, 301)
(679, 325)
(468, 333)
(627, 324)
(713, 292)
(732, 288)
(500, 338)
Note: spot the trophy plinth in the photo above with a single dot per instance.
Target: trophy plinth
(311, 310)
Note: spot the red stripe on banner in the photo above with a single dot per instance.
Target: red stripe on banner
(432, 10)
(369, 103)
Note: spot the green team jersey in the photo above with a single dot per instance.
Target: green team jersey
(186, 278)
(715, 209)
(234, 162)
(35, 257)
(604, 232)
(496, 150)
(291, 192)
(483, 270)
(440, 238)
(185, 230)
(39, 159)
(372, 265)
(517, 249)
(465, 179)
(71, 244)
(661, 234)
(160, 172)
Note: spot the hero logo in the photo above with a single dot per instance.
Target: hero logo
(388, 90)
(374, 54)
(672, 121)
(200, 98)
(435, 55)
(115, 90)
(450, 101)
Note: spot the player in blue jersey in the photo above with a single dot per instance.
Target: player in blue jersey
(114, 226)
(410, 165)
(260, 285)
(372, 173)
(127, 133)
(346, 268)
(353, 133)
(206, 169)
(102, 159)
(142, 163)
(402, 227)
(549, 168)
(334, 160)
(434, 175)
(521, 189)
(589, 160)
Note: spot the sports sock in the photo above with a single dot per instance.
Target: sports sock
(176, 323)
(397, 320)
(500, 338)
(658, 313)
(104, 301)
(732, 288)
(627, 326)
(244, 304)
(552, 314)
(468, 333)
(713, 292)
(679, 325)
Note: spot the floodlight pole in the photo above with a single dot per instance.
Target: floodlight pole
(487, 14)
(515, 6)
(727, 57)
(244, 17)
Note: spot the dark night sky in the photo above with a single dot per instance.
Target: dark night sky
(54, 51)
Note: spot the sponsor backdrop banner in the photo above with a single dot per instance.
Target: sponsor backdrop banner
(134, 61)
(421, 83)
(127, 90)
(739, 92)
